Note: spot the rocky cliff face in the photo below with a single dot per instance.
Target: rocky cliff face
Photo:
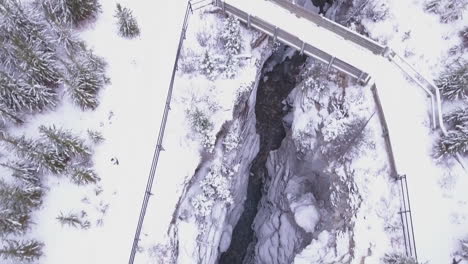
(289, 176)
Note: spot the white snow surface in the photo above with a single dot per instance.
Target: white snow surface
(306, 213)
(129, 117)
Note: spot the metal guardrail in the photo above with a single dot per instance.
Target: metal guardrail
(388, 143)
(159, 146)
(405, 208)
(338, 29)
(287, 38)
(428, 86)
(407, 219)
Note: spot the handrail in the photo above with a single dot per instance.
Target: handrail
(431, 95)
(341, 30)
(293, 41)
(159, 146)
(438, 100)
(405, 208)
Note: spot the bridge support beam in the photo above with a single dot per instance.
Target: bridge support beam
(248, 21)
(302, 47)
(330, 63)
(360, 76)
(275, 34)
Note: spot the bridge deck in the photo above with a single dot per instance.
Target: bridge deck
(318, 37)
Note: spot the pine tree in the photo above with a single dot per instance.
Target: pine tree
(231, 36)
(455, 141)
(395, 258)
(12, 222)
(457, 118)
(83, 176)
(87, 78)
(11, 93)
(231, 67)
(454, 82)
(26, 250)
(22, 198)
(464, 36)
(36, 153)
(95, 136)
(74, 220)
(9, 116)
(71, 12)
(24, 23)
(38, 64)
(24, 148)
(207, 66)
(64, 143)
(25, 172)
(20, 96)
(448, 10)
(128, 26)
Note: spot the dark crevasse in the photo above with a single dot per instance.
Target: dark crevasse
(321, 4)
(279, 77)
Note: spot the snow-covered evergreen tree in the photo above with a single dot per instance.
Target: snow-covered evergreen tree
(20, 198)
(128, 26)
(73, 12)
(231, 36)
(9, 116)
(448, 10)
(74, 220)
(19, 96)
(13, 222)
(84, 88)
(454, 82)
(232, 65)
(25, 148)
(24, 172)
(36, 153)
(24, 23)
(457, 119)
(95, 136)
(83, 176)
(396, 258)
(207, 66)
(464, 37)
(64, 143)
(456, 141)
(464, 248)
(38, 64)
(25, 250)
(87, 78)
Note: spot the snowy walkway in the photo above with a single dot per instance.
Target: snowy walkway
(406, 109)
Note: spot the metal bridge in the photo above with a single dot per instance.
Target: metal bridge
(357, 70)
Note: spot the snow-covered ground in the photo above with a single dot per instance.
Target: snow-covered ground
(128, 116)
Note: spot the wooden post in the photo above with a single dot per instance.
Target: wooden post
(248, 21)
(302, 47)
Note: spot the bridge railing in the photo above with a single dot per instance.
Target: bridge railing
(405, 206)
(287, 38)
(430, 88)
(340, 30)
(159, 146)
